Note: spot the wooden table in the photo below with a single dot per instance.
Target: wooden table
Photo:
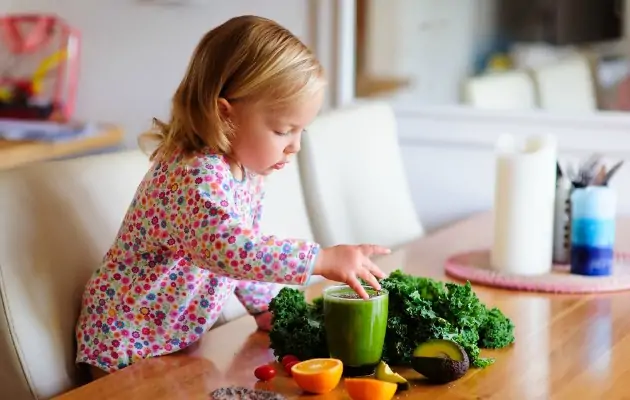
(18, 153)
(567, 346)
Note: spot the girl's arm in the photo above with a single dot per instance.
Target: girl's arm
(256, 296)
(211, 232)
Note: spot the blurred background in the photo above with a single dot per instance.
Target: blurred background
(557, 56)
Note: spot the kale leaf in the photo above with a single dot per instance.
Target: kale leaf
(298, 327)
(419, 309)
(497, 331)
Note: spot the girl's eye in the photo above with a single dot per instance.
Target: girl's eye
(288, 133)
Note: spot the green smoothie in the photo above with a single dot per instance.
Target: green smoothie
(355, 328)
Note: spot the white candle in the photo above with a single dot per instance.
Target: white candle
(524, 205)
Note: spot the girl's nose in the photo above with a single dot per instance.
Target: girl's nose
(293, 147)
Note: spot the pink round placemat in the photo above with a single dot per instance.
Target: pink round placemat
(475, 267)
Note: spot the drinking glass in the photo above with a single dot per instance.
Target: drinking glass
(355, 328)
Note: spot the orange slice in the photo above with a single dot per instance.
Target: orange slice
(318, 375)
(369, 389)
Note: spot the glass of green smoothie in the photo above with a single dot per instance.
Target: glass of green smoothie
(355, 328)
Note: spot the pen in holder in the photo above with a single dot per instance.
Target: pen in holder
(593, 210)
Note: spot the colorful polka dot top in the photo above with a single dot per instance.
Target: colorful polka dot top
(189, 240)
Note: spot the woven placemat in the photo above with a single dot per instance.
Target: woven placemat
(475, 267)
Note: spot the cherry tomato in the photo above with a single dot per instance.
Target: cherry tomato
(287, 359)
(265, 373)
(288, 367)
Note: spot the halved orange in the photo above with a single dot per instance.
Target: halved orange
(369, 389)
(318, 375)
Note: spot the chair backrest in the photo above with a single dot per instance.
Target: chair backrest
(354, 180)
(285, 212)
(58, 220)
(566, 85)
(513, 90)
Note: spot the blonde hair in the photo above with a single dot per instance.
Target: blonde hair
(246, 58)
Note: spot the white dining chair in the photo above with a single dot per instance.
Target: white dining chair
(354, 180)
(285, 213)
(57, 220)
(511, 90)
(566, 85)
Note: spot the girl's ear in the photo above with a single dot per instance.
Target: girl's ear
(225, 108)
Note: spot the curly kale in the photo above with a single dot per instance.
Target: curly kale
(298, 327)
(422, 309)
(419, 309)
(497, 331)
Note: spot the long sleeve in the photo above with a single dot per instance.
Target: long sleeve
(256, 296)
(215, 233)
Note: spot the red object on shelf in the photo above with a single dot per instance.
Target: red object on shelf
(39, 68)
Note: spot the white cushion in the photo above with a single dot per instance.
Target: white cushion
(354, 179)
(58, 220)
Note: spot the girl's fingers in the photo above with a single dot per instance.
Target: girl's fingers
(374, 249)
(264, 321)
(354, 283)
(373, 268)
(367, 276)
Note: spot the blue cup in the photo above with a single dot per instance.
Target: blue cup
(593, 211)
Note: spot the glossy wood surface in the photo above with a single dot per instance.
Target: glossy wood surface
(15, 153)
(567, 346)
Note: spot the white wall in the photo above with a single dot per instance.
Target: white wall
(449, 154)
(134, 54)
(430, 42)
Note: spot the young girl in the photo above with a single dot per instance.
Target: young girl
(190, 236)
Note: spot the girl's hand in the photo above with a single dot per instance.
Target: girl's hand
(348, 263)
(263, 321)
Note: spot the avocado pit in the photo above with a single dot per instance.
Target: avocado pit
(440, 360)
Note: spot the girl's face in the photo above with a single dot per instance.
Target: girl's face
(265, 139)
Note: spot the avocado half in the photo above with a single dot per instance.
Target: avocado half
(384, 373)
(440, 360)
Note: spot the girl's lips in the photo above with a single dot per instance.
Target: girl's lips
(279, 165)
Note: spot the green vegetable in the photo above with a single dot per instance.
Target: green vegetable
(298, 327)
(420, 309)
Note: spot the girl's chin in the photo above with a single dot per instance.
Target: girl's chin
(273, 168)
(265, 172)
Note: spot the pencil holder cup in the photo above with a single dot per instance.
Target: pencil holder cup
(593, 211)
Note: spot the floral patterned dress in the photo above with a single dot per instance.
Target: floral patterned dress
(189, 239)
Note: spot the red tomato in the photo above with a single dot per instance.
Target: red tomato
(265, 373)
(288, 367)
(287, 359)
